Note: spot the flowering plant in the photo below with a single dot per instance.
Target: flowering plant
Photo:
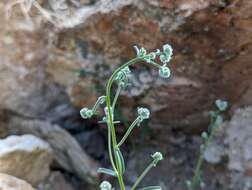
(121, 78)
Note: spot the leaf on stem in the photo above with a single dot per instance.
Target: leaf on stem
(107, 171)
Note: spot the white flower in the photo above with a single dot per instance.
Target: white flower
(105, 185)
(157, 156)
(164, 72)
(221, 105)
(86, 113)
(168, 49)
(143, 113)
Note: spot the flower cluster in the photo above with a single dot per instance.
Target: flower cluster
(122, 77)
(164, 56)
(87, 113)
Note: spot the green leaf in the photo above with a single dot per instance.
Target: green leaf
(151, 188)
(107, 171)
(120, 158)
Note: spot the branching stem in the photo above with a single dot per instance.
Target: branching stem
(140, 178)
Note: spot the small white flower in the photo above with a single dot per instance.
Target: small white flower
(164, 72)
(105, 185)
(221, 105)
(152, 55)
(86, 113)
(143, 113)
(157, 156)
(168, 49)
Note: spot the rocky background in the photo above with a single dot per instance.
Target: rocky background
(55, 56)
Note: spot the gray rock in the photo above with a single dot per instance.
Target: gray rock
(26, 157)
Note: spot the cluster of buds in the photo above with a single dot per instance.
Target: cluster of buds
(87, 113)
(122, 77)
(164, 57)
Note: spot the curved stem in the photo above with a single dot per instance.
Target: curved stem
(97, 104)
(110, 151)
(140, 178)
(128, 131)
(116, 97)
(110, 116)
(195, 180)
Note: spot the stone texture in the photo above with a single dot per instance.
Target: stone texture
(8, 182)
(55, 181)
(212, 52)
(68, 154)
(26, 157)
(233, 141)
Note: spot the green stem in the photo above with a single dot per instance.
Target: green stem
(128, 131)
(116, 97)
(195, 180)
(94, 109)
(110, 151)
(140, 178)
(110, 117)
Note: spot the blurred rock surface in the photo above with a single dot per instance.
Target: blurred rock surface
(26, 157)
(40, 68)
(8, 182)
(67, 152)
(55, 181)
(233, 141)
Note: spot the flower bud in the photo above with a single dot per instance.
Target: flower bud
(152, 55)
(143, 113)
(157, 156)
(86, 113)
(105, 185)
(164, 72)
(204, 135)
(221, 105)
(168, 49)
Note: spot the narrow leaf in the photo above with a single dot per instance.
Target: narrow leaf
(107, 171)
(121, 160)
(151, 188)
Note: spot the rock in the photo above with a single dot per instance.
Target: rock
(233, 141)
(55, 181)
(8, 182)
(212, 53)
(67, 152)
(26, 157)
(238, 138)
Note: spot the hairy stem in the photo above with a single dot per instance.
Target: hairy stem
(116, 97)
(131, 127)
(140, 178)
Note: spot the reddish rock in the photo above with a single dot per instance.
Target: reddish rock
(211, 60)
